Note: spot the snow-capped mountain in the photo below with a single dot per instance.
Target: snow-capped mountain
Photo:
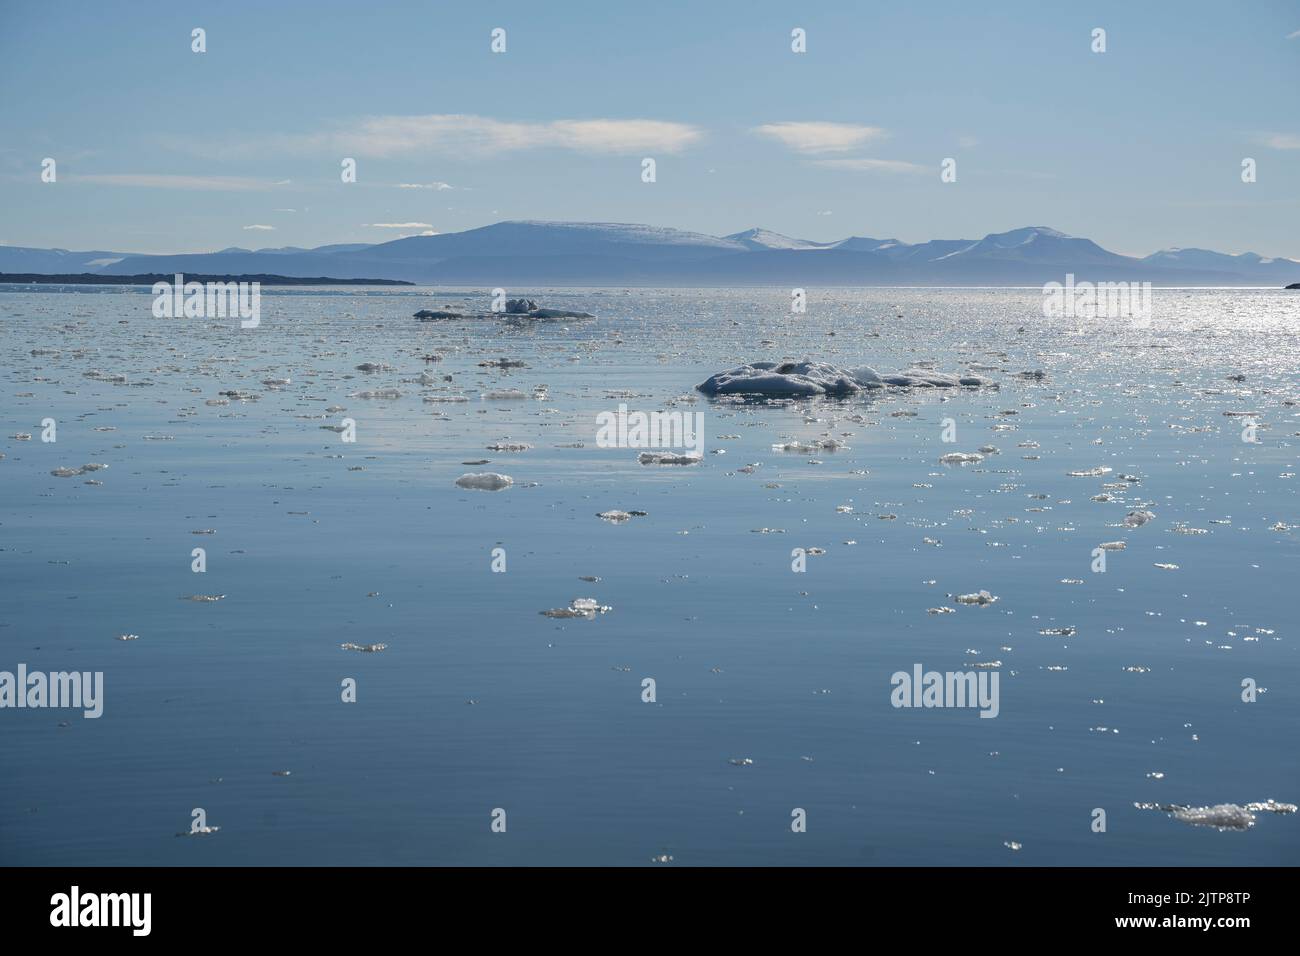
(529, 252)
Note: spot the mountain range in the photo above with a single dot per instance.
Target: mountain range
(515, 253)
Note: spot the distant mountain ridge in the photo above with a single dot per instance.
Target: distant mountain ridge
(532, 252)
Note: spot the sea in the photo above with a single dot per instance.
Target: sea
(317, 648)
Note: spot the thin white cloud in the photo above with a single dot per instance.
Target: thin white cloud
(437, 186)
(1293, 36)
(871, 165)
(260, 228)
(464, 135)
(1282, 141)
(820, 137)
(169, 181)
(398, 225)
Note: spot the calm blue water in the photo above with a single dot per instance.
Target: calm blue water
(481, 702)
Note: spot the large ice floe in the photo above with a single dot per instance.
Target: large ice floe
(810, 379)
(1222, 816)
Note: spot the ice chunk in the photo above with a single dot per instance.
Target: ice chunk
(807, 379)
(485, 481)
(669, 458)
(980, 598)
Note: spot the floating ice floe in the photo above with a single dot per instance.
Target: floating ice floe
(485, 481)
(807, 379)
(669, 458)
(524, 309)
(618, 517)
(1136, 519)
(364, 648)
(203, 598)
(73, 472)
(586, 608)
(980, 598)
(1221, 816)
(817, 444)
(960, 458)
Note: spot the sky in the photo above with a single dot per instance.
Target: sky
(161, 149)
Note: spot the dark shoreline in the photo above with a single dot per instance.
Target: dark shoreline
(149, 278)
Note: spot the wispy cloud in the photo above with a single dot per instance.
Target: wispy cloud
(169, 181)
(465, 135)
(260, 228)
(398, 225)
(1282, 141)
(871, 165)
(820, 137)
(1293, 36)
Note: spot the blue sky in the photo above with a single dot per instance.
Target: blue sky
(160, 149)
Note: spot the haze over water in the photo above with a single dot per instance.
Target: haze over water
(479, 701)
